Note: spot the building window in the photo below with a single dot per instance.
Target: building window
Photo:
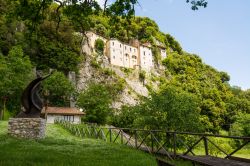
(144, 53)
(125, 47)
(113, 43)
(130, 49)
(113, 57)
(120, 46)
(68, 118)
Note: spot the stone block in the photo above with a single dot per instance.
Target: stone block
(30, 128)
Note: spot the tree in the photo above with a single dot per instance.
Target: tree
(224, 77)
(96, 101)
(58, 89)
(197, 3)
(78, 11)
(15, 74)
(170, 109)
(241, 126)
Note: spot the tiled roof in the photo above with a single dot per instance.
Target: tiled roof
(62, 110)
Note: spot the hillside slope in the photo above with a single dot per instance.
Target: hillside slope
(61, 148)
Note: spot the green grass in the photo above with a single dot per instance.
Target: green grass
(61, 148)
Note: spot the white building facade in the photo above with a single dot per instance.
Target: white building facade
(72, 115)
(126, 55)
(121, 54)
(146, 58)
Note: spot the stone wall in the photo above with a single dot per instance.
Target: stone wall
(31, 128)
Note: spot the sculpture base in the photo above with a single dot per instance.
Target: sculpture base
(30, 128)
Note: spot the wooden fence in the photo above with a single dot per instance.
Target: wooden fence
(168, 143)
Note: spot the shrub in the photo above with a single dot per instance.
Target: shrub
(127, 70)
(99, 46)
(142, 76)
(94, 64)
(117, 87)
(108, 72)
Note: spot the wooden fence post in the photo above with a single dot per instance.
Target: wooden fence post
(205, 145)
(152, 142)
(174, 137)
(121, 137)
(135, 138)
(110, 135)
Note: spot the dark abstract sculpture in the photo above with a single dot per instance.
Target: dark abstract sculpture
(31, 101)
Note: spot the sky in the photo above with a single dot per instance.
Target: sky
(219, 34)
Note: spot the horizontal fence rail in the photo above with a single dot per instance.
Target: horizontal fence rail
(168, 143)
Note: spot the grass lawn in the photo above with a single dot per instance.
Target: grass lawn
(61, 148)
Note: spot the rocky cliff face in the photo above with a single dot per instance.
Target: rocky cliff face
(91, 70)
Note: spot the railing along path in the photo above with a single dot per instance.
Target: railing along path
(168, 143)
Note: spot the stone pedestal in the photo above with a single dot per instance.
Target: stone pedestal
(31, 128)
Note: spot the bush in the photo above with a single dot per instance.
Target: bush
(94, 64)
(108, 72)
(127, 71)
(142, 76)
(118, 86)
(99, 46)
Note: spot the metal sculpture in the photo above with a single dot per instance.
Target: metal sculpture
(31, 101)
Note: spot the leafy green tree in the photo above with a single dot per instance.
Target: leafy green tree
(241, 126)
(125, 118)
(192, 75)
(171, 109)
(224, 77)
(57, 89)
(96, 101)
(15, 74)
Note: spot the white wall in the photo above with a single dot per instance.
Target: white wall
(130, 56)
(146, 58)
(52, 118)
(125, 55)
(116, 53)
